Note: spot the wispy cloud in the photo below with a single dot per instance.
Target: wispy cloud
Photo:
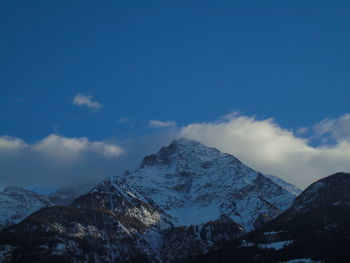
(86, 101)
(161, 124)
(61, 147)
(337, 129)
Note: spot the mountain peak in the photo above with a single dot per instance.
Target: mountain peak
(186, 142)
(182, 145)
(179, 150)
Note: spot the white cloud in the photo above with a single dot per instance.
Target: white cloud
(161, 124)
(56, 160)
(63, 147)
(265, 146)
(338, 129)
(11, 143)
(84, 100)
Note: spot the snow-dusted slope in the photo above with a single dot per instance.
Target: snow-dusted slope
(285, 185)
(195, 184)
(17, 203)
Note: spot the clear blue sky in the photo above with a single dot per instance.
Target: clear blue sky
(183, 61)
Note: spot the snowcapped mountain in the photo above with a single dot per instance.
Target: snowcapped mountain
(194, 184)
(180, 202)
(17, 203)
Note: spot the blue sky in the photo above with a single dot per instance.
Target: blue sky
(175, 62)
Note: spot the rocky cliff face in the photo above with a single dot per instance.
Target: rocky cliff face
(182, 201)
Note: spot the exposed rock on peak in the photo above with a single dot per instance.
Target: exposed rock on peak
(184, 149)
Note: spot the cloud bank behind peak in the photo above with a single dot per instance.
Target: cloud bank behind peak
(265, 146)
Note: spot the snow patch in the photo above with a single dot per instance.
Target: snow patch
(276, 245)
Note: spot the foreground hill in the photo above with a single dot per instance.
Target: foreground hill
(315, 229)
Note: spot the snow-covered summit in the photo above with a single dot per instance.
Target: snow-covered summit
(194, 184)
(185, 152)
